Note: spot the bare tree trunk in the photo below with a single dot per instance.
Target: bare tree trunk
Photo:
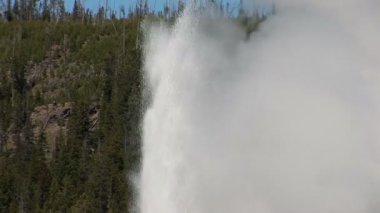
(2, 140)
(22, 199)
(105, 14)
(123, 41)
(12, 80)
(65, 73)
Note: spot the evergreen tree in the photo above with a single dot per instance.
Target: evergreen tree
(77, 8)
(89, 163)
(16, 9)
(31, 9)
(9, 12)
(46, 11)
(23, 10)
(61, 10)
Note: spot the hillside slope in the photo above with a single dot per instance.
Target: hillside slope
(69, 114)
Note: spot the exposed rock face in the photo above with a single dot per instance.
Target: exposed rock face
(50, 80)
(93, 116)
(52, 120)
(45, 116)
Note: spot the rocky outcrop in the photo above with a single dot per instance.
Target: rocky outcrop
(93, 116)
(52, 119)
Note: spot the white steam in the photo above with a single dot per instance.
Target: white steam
(286, 122)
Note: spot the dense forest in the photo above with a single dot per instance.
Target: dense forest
(69, 108)
(70, 105)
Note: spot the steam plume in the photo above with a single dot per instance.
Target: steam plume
(286, 122)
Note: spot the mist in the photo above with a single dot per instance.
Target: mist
(286, 121)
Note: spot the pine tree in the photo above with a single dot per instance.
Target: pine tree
(16, 9)
(61, 9)
(23, 10)
(46, 11)
(31, 7)
(9, 12)
(76, 14)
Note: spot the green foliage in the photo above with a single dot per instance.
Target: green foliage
(81, 64)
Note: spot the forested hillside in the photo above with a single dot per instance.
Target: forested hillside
(69, 109)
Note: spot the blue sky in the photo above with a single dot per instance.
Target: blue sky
(115, 4)
(95, 4)
(157, 5)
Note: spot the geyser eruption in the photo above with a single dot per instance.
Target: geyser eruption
(286, 122)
